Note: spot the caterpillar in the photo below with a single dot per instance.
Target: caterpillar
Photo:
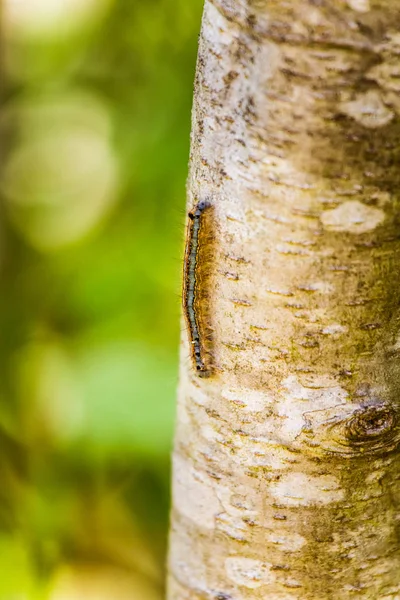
(195, 297)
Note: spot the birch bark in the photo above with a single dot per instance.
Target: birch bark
(286, 479)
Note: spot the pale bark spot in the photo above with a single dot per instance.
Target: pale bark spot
(185, 563)
(294, 418)
(248, 572)
(312, 316)
(262, 452)
(362, 6)
(368, 110)
(291, 250)
(299, 489)
(247, 399)
(279, 291)
(323, 287)
(374, 477)
(199, 397)
(236, 511)
(318, 381)
(231, 526)
(269, 216)
(217, 33)
(353, 217)
(184, 415)
(211, 434)
(315, 17)
(297, 400)
(289, 542)
(334, 329)
(284, 173)
(386, 74)
(381, 198)
(194, 496)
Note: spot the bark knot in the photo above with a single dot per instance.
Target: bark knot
(371, 425)
(354, 431)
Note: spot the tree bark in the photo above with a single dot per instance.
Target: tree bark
(286, 477)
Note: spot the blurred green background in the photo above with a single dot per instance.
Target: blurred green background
(94, 129)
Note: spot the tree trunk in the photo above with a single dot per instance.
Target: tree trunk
(286, 467)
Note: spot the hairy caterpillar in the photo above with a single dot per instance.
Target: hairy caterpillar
(195, 298)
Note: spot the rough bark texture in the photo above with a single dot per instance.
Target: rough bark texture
(286, 463)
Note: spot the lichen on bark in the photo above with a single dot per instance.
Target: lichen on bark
(286, 478)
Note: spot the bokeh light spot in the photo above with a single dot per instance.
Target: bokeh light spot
(60, 179)
(50, 18)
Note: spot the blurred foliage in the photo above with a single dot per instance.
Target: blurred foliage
(94, 130)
